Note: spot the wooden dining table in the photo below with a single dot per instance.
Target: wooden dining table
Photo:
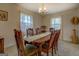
(38, 40)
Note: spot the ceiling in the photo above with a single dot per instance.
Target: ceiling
(51, 7)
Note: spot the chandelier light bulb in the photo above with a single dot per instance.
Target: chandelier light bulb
(42, 10)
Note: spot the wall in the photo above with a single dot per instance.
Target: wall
(6, 27)
(66, 24)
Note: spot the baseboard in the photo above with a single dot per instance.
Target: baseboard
(10, 45)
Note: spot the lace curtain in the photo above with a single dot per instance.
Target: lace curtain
(26, 22)
(56, 23)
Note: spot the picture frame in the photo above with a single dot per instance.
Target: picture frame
(3, 15)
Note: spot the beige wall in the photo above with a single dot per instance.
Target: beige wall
(6, 27)
(36, 17)
(66, 24)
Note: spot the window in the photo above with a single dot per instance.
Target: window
(56, 23)
(26, 22)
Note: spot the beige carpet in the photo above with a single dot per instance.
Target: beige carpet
(64, 49)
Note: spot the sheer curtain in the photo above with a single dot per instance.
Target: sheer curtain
(56, 23)
(26, 22)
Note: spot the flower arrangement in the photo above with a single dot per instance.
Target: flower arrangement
(75, 20)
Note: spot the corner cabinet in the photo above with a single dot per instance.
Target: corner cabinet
(1, 45)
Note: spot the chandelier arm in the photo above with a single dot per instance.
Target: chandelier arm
(42, 10)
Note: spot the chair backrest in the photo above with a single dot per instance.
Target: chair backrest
(19, 42)
(58, 34)
(30, 32)
(38, 31)
(52, 37)
(51, 29)
(57, 37)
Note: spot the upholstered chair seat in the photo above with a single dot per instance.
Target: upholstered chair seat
(29, 49)
(45, 45)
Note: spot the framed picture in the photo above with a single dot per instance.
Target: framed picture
(3, 15)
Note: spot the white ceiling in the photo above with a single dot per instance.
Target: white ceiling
(51, 7)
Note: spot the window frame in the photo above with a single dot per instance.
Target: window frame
(54, 24)
(26, 24)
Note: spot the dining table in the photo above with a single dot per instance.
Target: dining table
(38, 40)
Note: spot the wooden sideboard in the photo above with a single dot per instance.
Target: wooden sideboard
(1, 45)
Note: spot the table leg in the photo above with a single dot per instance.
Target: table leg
(40, 50)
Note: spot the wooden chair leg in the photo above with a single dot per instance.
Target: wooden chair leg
(55, 50)
(47, 53)
(52, 51)
(36, 53)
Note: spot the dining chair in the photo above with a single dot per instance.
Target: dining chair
(30, 32)
(51, 29)
(56, 41)
(27, 50)
(49, 45)
(38, 31)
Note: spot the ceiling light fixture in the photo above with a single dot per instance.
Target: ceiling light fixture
(42, 10)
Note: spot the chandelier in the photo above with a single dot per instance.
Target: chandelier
(42, 10)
